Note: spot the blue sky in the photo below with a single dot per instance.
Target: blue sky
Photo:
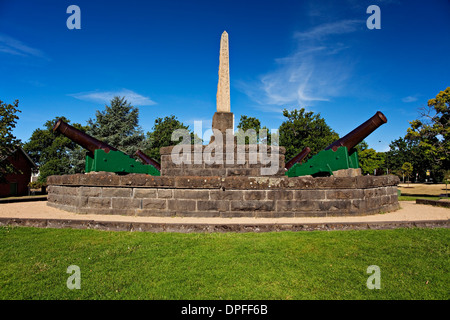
(163, 56)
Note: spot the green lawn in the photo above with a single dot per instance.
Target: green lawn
(414, 198)
(414, 264)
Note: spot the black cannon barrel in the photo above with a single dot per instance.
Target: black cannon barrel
(360, 133)
(298, 158)
(148, 160)
(86, 141)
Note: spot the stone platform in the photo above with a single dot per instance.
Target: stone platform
(237, 160)
(229, 196)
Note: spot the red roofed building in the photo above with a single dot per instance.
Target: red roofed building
(16, 183)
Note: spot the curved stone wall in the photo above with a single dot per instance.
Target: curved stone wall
(237, 196)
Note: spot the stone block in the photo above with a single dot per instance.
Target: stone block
(117, 192)
(94, 202)
(336, 182)
(334, 205)
(91, 191)
(226, 194)
(82, 202)
(145, 180)
(154, 204)
(309, 194)
(213, 205)
(252, 205)
(358, 205)
(344, 194)
(181, 205)
(173, 172)
(373, 192)
(296, 205)
(242, 172)
(300, 214)
(222, 121)
(191, 194)
(280, 194)
(186, 182)
(351, 172)
(125, 203)
(64, 190)
(140, 193)
(165, 193)
(254, 195)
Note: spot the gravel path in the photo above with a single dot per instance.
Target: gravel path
(409, 211)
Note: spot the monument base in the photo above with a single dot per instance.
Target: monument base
(258, 197)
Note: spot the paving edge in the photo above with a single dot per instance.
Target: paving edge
(219, 227)
(444, 204)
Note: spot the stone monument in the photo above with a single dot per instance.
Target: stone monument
(223, 188)
(223, 119)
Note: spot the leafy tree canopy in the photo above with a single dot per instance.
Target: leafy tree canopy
(161, 136)
(50, 150)
(426, 144)
(118, 126)
(250, 123)
(304, 129)
(432, 129)
(370, 160)
(8, 142)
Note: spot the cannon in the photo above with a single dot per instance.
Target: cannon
(103, 157)
(298, 158)
(340, 154)
(145, 158)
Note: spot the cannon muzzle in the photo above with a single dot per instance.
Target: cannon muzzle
(86, 141)
(360, 133)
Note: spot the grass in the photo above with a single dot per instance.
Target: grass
(423, 189)
(413, 198)
(23, 198)
(414, 264)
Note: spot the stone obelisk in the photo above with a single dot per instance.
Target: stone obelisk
(223, 119)
(223, 87)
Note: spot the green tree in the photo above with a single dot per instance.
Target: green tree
(51, 151)
(304, 129)
(250, 123)
(118, 126)
(8, 142)
(432, 133)
(407, 169)
(405, 150)
(370, 160)
(446, 180)
(161, 136)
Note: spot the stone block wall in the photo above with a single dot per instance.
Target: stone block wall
(251, 166)
(271, 197)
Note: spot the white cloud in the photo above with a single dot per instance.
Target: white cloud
(15, 47)
(316, 71)
(326, 29)
(106, 96)
(409, 99)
